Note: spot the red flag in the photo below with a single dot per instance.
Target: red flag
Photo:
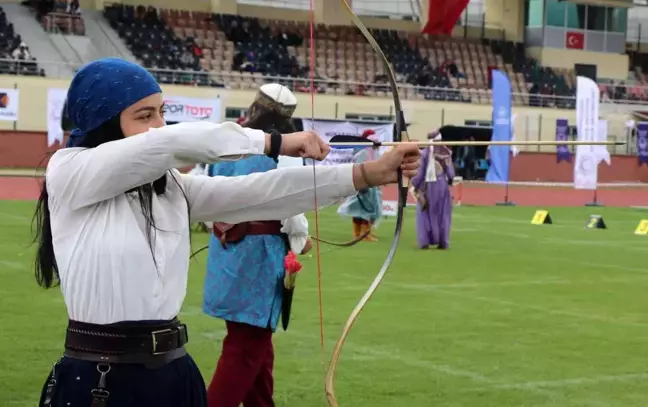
(443, 15)
(574, 40)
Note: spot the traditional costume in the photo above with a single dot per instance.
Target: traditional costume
(245, 282)
(366, 206)
(431, 187)
(123, 282)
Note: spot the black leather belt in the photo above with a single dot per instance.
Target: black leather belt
(129, 342)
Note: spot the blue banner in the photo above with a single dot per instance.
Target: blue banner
(562, 134)
(500, 156)
(642, 142)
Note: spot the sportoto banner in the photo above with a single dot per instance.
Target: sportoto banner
(9, 103)
(55, 104)
(184, 109)
(329, 128)
(178, 109)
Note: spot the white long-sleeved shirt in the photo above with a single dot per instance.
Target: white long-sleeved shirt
(296, 227)
(106, 268)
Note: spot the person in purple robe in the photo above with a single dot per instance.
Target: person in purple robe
(431, 188)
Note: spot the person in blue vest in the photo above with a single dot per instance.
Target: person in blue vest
(244, 284)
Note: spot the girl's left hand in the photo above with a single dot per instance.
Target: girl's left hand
(307, 247)
(383, 171)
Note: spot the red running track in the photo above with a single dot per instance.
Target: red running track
(28, 188)
(541, 195)
(19, 188)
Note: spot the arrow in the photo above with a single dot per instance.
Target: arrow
(344, 141)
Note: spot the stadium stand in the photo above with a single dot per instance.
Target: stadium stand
(205, 49)
(242, 52)
(15, 58)
(172, 59)
(237, 44)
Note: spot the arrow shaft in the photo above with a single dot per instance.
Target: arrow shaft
(483, 143)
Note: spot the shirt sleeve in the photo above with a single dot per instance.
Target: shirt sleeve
(296, 228)
(271, 195)
(86, 176)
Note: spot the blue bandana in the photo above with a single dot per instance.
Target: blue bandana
(102, 90)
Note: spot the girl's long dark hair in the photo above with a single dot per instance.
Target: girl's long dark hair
(46, 269)
(266, 120)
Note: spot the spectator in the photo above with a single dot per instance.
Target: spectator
(620, 91)
(73, 7)
(150, 15)
(187, 59)
(197, 51)
(244, 62)
(454, 71)
(22, 52)
(490, 68)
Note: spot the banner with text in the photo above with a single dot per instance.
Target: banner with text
(500, 156)
(55, 104)
(327, 129)
(184, 109)
(587, 125)
(9, 103)
(642, 142)
(562, 134)
(587, 113)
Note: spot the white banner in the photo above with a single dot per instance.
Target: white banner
(184, 109)
(178, 109)
(55, 103)
(602, 152)
(587, 124)
(328, 128)
(389, 208)
(9, 103)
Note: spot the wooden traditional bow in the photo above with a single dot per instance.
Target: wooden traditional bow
(400, 135)
(348, 243)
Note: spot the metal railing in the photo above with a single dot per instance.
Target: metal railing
(62, 23)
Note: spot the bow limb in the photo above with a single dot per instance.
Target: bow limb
(348, 243)
(400, 135)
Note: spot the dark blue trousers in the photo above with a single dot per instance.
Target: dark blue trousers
(176, 384)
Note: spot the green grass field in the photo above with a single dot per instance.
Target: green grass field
(512, 315)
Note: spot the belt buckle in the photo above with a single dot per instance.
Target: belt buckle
(155, 342)
(183, 333)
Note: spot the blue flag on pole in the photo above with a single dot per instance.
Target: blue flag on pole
(500, 156)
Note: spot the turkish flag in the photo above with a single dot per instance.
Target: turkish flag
(574, 40)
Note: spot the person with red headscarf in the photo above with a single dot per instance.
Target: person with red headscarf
(366, 206)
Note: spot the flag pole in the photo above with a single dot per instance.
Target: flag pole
(506, 201)
(508, 169)
(595, 202)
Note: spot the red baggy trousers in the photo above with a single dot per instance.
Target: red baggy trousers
(244, 370)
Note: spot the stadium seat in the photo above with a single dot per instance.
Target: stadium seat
(174, 60)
